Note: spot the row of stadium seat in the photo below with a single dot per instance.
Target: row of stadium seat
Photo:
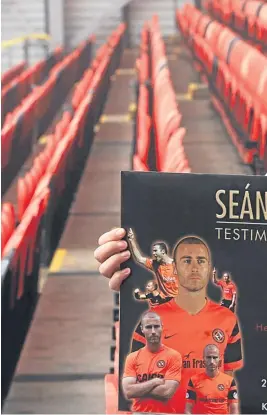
(247, 17)
(143, 119)
(12, 73)
(28, 184)
(59, 153)
(169, 135)
(47, 195)
(165, 115)
(237, 75)
(31, 118)
(19, 87)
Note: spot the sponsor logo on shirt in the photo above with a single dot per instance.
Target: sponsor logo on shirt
(144, 377)
(189, 363)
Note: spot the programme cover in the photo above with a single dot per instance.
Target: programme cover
(193, 313)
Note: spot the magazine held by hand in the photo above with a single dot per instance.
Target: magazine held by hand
(193, 313)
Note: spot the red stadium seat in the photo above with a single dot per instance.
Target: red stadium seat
(204, 22)
(6, 230)
(111, 395)
(23, 197)
(236, 70)
(226, 42)
(143, 136)
(138, 165)
(8, 223)
(175, 155)
(9, 209)
(11, 73)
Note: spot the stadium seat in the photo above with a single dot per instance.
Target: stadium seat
(236, 72)
(8, 223)
(111, 395)
(12, 73)
(138, 165)
(23, 198)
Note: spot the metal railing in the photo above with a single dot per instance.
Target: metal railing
(19, 49)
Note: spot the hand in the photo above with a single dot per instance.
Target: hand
(130, 234)
(111, 253)
(137, 290)
(231, 306)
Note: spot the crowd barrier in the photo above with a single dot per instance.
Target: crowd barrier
(158, 120)
(19, 87)
(32, 117)
(45, 196)
(247, 17)
(12, 73)
(237, 76)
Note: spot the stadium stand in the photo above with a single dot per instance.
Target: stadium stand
(158, 118)
(20, 86)
(45, 193)
(32, 116)
(227, 62)
(247, 18)
(235, 72)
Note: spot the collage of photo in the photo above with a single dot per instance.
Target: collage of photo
(186, 347)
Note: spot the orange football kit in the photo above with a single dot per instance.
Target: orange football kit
(189, 334)
(145, 365)
(166, 278)
(211, 395)
(228, 289)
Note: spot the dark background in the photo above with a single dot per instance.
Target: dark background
(165, 207)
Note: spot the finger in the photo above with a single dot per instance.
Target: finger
(113, 235)
(117, 279)
(103, 252)
(113, 263)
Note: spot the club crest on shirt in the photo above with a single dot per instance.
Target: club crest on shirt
(161, 364)
(218, 335)
(220, 387)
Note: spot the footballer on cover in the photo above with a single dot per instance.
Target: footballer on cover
(193, 313)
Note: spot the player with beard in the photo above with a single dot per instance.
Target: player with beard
(211, 392)
(160, 263)
(152, 374)
(190, 320)
(228, 289)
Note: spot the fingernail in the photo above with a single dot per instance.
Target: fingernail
(126, 254)
(120, 232)
(122, 244)
(126, 271)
